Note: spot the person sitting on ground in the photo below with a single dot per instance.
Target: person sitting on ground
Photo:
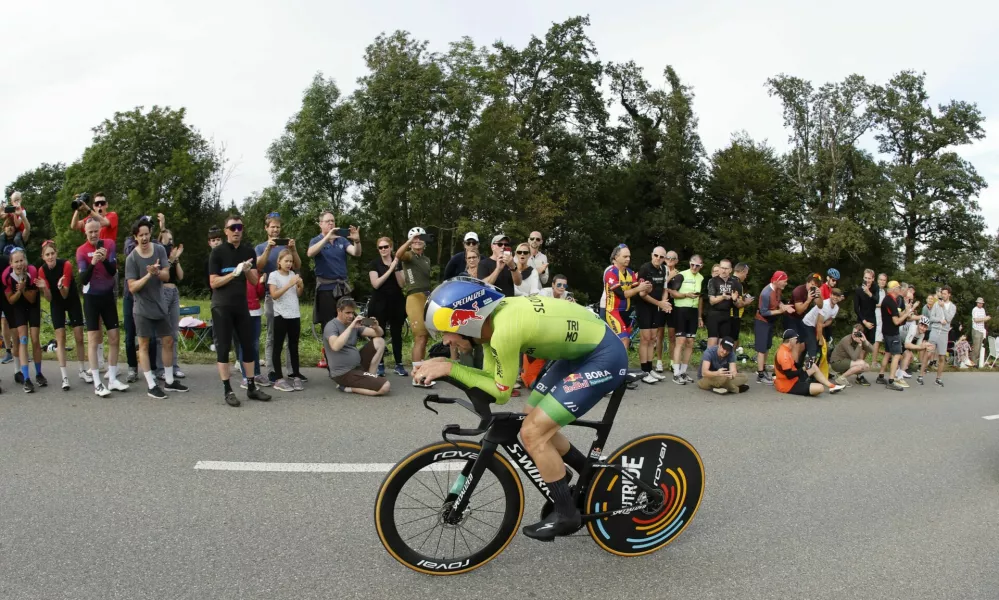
(718, 372)
(794, 378)
(353, 370)
(848, 355)
(962, 352)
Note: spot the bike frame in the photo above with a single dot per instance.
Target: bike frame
(501, 430)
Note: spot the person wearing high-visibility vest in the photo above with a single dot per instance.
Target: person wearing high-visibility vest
(685, 288)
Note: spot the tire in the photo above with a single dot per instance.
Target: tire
(504, 496)
(662, 460)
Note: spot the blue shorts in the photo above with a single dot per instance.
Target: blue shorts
(566, 389)
(810, 339)
(764, 331)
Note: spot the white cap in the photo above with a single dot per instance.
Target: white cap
(471, 235)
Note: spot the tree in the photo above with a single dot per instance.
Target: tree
(932, 189)
(39, 189)
(146, 162)
(309, 159)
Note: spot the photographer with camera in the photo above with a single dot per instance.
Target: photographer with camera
(267, 262)
(847, 357)
(16, 228)
(97, 263)
(82, 212)
(353, 370)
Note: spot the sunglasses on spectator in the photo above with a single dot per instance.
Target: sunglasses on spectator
(523, 252)
(658, 256)
(696, 265)
(273, 215)
(560, 286)
(672, 258)
(101, 203)
(503, 244)
(384, 247)
(235, 227)
(471, 243)
(534, 239)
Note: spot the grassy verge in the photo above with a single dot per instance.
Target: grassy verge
(310, 347)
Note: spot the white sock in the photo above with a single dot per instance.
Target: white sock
(112, 372)
(17, 363)
(676, 370)
(97, 377)
(100, 353)
(65, 373)
(83, 366)
(416, 364)
(168, 374)
(683, 368)
(150, 379)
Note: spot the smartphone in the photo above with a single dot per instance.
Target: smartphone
(281, 241)
(100, 244)
(367, 322)
(343, 231)
(9, 209)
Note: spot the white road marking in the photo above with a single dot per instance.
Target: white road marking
(224, 465)
(991, 417)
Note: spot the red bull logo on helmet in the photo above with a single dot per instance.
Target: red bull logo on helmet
(450, 319)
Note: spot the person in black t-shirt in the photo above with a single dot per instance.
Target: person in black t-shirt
(387, 304)
(891, 319)
(500, 270)
(721, 300)
(652, 308)
(230, 266)
(456, 265)
(735, 317)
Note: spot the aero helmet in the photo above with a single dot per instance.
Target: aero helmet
(461, 305)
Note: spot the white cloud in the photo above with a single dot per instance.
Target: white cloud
(240, 67)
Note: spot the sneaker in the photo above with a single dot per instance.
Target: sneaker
(895, 387)
(18, 378)
(299, 376)
(156, 392)
(322, 364)
(679, 380)
(132, 376)
(262, 381)
(65, 384)
(86, 376)
(687, 378)
(29, 388)
(178, 374)
(720, 391)
(837, 389)
(743, 388)
(231, 399)
(263, 362)
(341, 388)
(401, 371)
(650, 379)
(297, 383)
(906, 374)
(258, 395)
(940, 382)
(764, 378)
(659, 366)
(116, 386)
(881, 379)
(919, 380)
(901, 383)
(176, 386)
(861, 380)
(840, 380)
(554, 526)
(243, 384)
(40, 379)
(659, 376)
(381, 371)
(7, 359)
(102, 391)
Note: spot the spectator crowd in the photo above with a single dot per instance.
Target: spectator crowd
(659, 308)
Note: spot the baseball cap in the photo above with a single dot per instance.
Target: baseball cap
(500, 237)
(471, 235)
(980, 300)
(893, 284)
(778, 276)
(790, 334)
(727, 343)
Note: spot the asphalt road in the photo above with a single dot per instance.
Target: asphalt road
(869, 494)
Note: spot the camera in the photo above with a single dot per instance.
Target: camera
(79, 201)
(9, 209)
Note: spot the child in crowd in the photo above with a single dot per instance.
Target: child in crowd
(285, 287)
(254, 293)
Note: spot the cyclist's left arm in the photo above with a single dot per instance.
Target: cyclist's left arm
(498, 374)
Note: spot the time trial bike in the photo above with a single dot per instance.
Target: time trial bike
(452, 506)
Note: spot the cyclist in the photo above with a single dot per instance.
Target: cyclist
(619, 287)
(586, 362)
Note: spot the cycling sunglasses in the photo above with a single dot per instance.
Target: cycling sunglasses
(235, 227)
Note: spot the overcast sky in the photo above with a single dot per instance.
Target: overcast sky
(240, 67)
